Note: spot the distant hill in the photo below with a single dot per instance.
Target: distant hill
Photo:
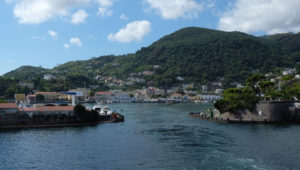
(289, 41)
(197, 54)
(25, 72)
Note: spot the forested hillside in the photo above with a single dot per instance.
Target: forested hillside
(198, 55)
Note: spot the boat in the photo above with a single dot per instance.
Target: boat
(97, 107)
(106, 113)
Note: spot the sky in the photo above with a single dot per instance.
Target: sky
(51, 32)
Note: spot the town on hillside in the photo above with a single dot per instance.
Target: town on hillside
(120, 91)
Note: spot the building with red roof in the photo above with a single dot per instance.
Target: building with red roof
(104, 96)
(8, 108)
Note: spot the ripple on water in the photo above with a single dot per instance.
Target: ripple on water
(153, 136)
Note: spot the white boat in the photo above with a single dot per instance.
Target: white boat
(102, 110)
(97, 107)
(105, 111)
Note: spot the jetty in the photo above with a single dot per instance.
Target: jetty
(13, 116)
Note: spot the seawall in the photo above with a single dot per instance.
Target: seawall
(23, 119)
(264, 112)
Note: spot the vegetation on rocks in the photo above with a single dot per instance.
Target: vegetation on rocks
(258, 87)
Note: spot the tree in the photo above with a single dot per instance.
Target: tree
(235, 100)
(91, 93)
(287, 78)
(11, 91)
(40, 97)
(267, 87)
(181, 92)
(254, 83)
(3, 101)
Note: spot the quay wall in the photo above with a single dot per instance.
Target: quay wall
(273, 111)
(38, 117)
(264, 112)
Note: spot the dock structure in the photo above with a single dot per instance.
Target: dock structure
(12, 116)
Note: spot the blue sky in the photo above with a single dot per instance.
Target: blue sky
(50, 32)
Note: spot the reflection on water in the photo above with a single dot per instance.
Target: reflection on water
(153, 136)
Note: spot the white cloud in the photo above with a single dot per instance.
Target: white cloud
(134, 31)
(104, 10)
(66, 46)
(105, 3)
(76, 41)
(123, 16)
(37, 37)
(173, 9)
(52, 33)
(38, 11)
(79, 16)
(73, 41)
(271, 16)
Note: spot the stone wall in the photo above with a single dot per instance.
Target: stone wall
(36, 117)
(273, 111)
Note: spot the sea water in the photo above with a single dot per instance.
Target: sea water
(153, 136)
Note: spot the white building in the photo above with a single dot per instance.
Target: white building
(129, 83)
(210, 97)
(49, 76)
(289, 71)
(219, 91)
(204, 88)
(140, 80)
(25, 84)
(104, 96)
(156, 66)
(83, 94)
(121, 97)
(180, 78)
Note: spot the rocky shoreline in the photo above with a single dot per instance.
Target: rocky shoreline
(266, 112)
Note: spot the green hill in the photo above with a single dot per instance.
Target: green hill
(197, 54)
(289, 41)
(25, 72)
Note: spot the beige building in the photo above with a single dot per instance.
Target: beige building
(82, 94)
(50, 96)
(19, 97)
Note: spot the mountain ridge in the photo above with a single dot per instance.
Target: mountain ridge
(198, 54)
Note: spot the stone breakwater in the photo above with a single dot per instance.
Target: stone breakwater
(264, 112)
(49, 116)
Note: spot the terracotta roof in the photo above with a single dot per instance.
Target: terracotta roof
(49, 108)
(104, 93)
(8, 106)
